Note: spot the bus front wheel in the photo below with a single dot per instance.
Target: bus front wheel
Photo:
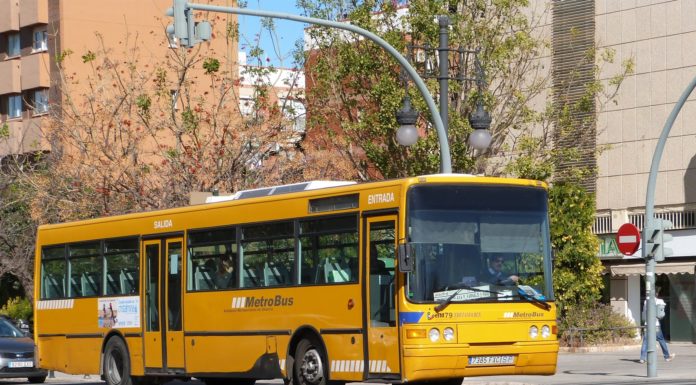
(310, 364)
(116, 363)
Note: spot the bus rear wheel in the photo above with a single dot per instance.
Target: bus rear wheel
(116, 363)
(310, 364)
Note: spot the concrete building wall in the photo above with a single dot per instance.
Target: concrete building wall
(659, 37)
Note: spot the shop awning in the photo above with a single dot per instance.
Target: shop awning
(660, 268)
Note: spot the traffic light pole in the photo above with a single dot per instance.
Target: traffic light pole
(445, 157)
(650, 225)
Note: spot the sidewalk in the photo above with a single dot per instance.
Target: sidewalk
(607, 367)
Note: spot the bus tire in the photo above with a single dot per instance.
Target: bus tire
(310, 364)
(37, 379)
(117, 363)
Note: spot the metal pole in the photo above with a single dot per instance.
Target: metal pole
(649, 212)
(443, 78)
(445, 159)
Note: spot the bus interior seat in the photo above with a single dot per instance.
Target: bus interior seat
(249, 276)
(53, 288)
(75, 289)
(88, 284)
(113, 287)
(202, 278)
(128, 280)
(334, 273)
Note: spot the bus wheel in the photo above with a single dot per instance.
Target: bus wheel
(116, 363)
(310, 364)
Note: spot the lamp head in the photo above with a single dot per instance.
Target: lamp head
(407, 134)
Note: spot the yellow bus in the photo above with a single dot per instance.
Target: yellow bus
(394, 281)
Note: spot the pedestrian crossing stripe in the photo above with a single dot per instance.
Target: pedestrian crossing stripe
(56, 304)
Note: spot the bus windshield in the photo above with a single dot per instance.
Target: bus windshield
(478, 243)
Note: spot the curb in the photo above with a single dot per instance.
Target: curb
(599, 348)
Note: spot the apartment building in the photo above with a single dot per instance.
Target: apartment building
(659, 37)
(35, 33)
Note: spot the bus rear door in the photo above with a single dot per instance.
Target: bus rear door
(163, 336)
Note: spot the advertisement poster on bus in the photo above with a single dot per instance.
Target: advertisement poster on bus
(121, 312)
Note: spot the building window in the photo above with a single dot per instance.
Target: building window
(13, 47)
(40, 101)
(40, 40)
(14, 106)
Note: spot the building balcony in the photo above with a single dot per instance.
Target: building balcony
(33, 12)
(9, 17)
(25, 137)
(35, 71)
(10, 81)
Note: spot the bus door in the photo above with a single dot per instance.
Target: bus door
(163, 336)
(382, 336)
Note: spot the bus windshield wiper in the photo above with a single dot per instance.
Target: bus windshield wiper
(526, 292)
(459, 286)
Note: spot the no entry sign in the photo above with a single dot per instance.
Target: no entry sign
(628, 239)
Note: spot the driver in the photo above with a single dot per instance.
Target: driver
(494, 273)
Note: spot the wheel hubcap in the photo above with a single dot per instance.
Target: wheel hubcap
(312, 368)
(114, 367)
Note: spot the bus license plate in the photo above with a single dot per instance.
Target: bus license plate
(492, 360)
(21, 364)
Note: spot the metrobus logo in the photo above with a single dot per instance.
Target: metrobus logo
(254, 302)
(519, 314)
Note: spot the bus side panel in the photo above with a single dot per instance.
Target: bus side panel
(83, 355)
(51, 352)
(345, 356)
(218, 354)
(228, 331)
(135, 348)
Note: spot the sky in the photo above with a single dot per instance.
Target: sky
(288, 32)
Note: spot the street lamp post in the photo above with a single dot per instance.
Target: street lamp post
(650, 227)
(182, 15)
(479, 120)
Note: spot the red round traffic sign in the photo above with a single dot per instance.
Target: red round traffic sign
(628, 239)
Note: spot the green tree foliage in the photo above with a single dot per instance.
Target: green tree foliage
(17, 308)
(577, 275)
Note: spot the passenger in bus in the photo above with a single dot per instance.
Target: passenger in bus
(224, 273)
(494, 273)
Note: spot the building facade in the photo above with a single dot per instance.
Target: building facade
(34, 34)
(658, 37)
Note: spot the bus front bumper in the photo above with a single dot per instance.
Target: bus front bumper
(456, 361)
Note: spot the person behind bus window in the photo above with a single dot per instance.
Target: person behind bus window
(494, 274)
(224, 272)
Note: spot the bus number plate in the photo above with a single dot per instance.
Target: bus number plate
(492, 360)
(21, 364)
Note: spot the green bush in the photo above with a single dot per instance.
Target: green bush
(17, 308)
(600, 324)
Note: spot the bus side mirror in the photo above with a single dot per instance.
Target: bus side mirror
(406, 255)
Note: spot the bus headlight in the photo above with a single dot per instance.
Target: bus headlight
(434, 334)
(533, 332)
(545, 331)
(448, 334)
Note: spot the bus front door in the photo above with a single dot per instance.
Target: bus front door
(382, 336)
(163, 336)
